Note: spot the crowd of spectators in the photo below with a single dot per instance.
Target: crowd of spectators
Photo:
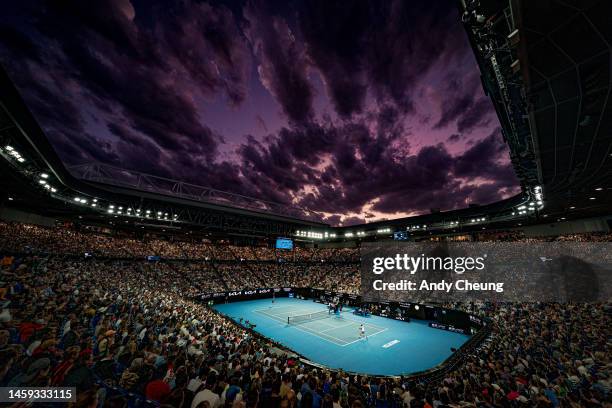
(24, 238)
(31, 238)
(126, 329)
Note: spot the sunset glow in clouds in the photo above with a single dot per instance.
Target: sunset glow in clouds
(358, 110)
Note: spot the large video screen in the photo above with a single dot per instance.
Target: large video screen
(401, 236)
(284, 243)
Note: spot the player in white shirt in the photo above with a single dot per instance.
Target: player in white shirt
(362, 332)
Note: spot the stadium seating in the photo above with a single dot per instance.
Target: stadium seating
(125, 331)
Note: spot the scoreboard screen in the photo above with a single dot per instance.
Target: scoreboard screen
(400, 236)
(284, 243)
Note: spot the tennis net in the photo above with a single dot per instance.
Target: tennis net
(306, 317)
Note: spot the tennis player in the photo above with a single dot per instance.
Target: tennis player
(362, 332)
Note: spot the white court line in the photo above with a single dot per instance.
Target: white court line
(267, 310)
(340, 327)
(273, 316)
(317, 334)
(291, 309)
(313, 333)
(282, 316)
(361, 338)
(323, 322)
(287, 308)
(325, 336)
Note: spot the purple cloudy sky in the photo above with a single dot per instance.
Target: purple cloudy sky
(359, 110)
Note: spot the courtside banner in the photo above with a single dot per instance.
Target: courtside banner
(492, 271)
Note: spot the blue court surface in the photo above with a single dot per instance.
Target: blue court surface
(392, 347)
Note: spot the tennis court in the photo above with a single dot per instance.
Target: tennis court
(321, 323)
(392, 347)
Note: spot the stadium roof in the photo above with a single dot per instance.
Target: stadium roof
(565, 56)
(546, 66)
(72, 197)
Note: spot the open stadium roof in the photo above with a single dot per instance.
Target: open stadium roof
(551, 97)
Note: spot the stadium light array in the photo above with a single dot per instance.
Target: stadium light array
(309, 234)
(14, 153)
(383, 231)
(348, 234)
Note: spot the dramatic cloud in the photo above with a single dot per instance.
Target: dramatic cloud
(283, 65)
(357, 110)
